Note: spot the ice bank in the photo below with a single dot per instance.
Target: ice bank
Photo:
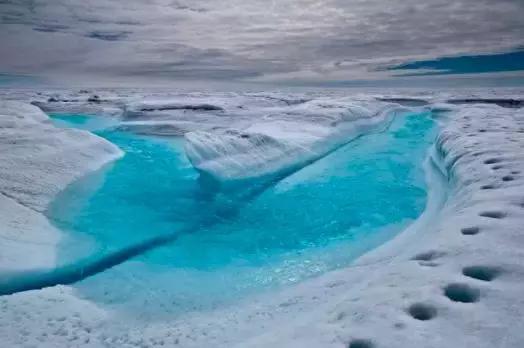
(281, 142)
(37, 161)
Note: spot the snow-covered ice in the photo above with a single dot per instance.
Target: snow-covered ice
(37, 161)
(454, 279)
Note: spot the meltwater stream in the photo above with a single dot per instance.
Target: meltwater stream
(319, 218)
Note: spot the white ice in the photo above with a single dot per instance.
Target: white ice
(37, 161)
(470, 250)
(282, 138)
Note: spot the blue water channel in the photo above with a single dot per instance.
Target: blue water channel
(317, 219)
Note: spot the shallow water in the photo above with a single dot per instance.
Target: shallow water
(320, 218)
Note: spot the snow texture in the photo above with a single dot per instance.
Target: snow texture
(455, 278)
(37, 161)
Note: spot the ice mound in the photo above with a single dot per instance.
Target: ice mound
(234, 154)
(38, 160)
(283, 140)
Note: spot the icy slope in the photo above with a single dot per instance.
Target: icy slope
(37, 161)
(283, 139)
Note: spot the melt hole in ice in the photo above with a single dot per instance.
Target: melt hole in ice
(458, 292)
(493, 214)
(492, 161)
(361, 343)
(428, 255)
(422, 311)
(485, 273)
(468, 231)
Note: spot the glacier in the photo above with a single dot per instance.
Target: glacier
(420, 289)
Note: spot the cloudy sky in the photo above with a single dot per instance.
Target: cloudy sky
(260, 41)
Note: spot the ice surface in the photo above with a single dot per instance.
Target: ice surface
(480, 226)
(282, 141)
(37, 161)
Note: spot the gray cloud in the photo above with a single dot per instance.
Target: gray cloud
(310, 40)
(51, 28)
(108, 35)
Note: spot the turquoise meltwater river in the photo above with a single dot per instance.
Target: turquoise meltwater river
(317, 219)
